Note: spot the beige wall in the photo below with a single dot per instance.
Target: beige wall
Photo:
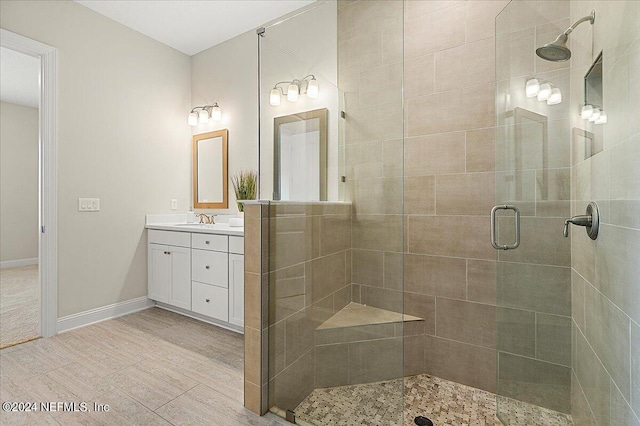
(122, 137)
(605, 283)
(18, 182)
(228, 74)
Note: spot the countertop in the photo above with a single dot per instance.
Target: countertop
(200, 228)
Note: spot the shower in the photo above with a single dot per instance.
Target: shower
(557, 50)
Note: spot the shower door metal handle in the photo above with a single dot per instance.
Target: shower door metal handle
(494, 229)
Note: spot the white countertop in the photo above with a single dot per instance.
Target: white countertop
(182, 223)
(201, 228)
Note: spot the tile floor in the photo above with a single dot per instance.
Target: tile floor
(19, 304)
(152, 368)
(442, 401)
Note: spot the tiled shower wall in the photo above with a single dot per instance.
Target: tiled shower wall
(297, 275)
(606, 272)
(448, 161)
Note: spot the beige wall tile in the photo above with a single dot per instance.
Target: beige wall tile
(413, 355)
(393, 158)
(553, 339)
(374, 123)
(393, 271)
(378, 196)
(530, 380)
(294, 384)
(468, 322)
(421, 306)
(577, 299)
(635, 366)
(326, 276)
(433, 31)
(252, 300)
(252, 360)
(459, 109)
(541, 241)
(580, 411)
(287, 288)
(364, 160)
(514, 54)
(450, 236)
(375, 360)
(252, 397)
(419, 76)
(481, 281)
(435, 276)
(381, 85)
(335, 234)
(538, 288)
(465, 194)
(419, 195)
(617, 268)
(382, 298)
(480, 18)
(553, 184)
(480, 150)
(453, 69)
(625, 170)
(435, 154)
(332, 366)
(460, 362)
(367, 267)
(594, 380)
(378, 232)
(516, 330)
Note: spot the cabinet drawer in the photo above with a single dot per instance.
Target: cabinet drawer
(236, 245)
(210, 267)
(170, 238)
(210, 301)
(210, 242)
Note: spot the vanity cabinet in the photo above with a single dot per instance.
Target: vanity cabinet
(199, 273)
(169, 265)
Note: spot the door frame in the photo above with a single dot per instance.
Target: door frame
(48, 174)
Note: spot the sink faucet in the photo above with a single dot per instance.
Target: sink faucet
(204, 218)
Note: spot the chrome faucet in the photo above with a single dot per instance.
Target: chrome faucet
(205, 219)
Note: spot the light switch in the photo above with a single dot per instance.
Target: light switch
(88, 204)
(174, 204)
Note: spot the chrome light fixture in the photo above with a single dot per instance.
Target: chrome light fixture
(306, 86)
(543, 91)
(204, 113)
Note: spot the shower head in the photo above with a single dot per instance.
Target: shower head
(557, 50)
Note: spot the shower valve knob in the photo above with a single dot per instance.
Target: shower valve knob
(591, 221)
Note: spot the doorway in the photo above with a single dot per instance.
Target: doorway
(29, 219)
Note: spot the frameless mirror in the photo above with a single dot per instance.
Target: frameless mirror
(300, 156)
(210, 174)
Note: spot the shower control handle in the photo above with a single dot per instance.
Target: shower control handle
(591, 221)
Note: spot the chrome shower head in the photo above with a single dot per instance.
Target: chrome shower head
(557, 50)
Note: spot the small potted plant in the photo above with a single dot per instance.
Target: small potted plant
(244, 185)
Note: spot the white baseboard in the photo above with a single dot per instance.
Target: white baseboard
(19, 262)
(103, 313)
(200, 317)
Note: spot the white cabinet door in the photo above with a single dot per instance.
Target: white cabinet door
(236, 289)
(158, 270)
(180, 289)
(211, 301)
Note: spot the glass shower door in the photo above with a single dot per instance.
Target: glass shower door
(533, 177)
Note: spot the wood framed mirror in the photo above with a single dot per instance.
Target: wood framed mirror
(210, 170)
(300, 156)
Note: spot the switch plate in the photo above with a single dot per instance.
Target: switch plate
(174, 204)
(88, 204)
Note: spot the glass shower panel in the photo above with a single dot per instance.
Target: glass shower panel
(336, 331)
(532, 175)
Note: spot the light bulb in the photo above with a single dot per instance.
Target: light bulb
(595, 115)
(545, 92)
(292, 93)
(532, 88)
(203, 115)
(586, 112)
(555, 97)
(602, 119)
(312, 89)
(216, 112)
(274, 97)
(193, 119)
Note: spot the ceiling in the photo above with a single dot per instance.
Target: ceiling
(193, 26)
(19, 78)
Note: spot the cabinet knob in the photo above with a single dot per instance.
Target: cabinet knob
(206, 300)
(168, 252)
(206, 267)
(206, 242)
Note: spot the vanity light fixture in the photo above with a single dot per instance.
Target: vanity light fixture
(306, 86)
(593, 114)
(535, 88)
(204, 113)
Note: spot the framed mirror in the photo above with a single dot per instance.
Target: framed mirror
(300, 156)
(210, 170)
